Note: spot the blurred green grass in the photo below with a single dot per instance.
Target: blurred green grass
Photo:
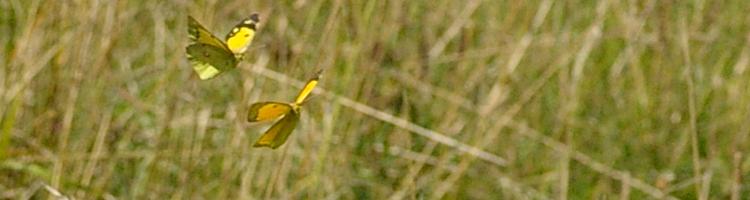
(581, 99)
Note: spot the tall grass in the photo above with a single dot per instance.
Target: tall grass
(419, 99)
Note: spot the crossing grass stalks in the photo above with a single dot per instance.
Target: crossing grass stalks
(637, 99)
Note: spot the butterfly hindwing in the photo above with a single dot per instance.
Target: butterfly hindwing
(279, 132)
(264, 111)
(208, 60)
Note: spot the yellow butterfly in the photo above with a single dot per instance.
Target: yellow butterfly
(209, 55)
(279, 132)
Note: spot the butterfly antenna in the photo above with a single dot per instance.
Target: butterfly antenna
(312, 96)
(255, 47)
(318, 74)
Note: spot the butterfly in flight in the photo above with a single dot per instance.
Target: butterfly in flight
(209, 55)
(270, 110)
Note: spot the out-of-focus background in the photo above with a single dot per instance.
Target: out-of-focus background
(419, 100)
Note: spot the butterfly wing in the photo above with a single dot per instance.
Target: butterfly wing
(305, 92)
(208, 60)
(199, 34)
(208, 54)
(279, 132)
(242, 35)
(263, 111)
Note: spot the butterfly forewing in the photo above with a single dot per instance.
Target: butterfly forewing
(305, 92)
(201, 35)
(264, 111)
(279, 132)
(242, 35)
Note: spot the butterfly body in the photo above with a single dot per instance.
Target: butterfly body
(209, 55)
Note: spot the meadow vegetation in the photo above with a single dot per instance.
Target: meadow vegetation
(634, 99)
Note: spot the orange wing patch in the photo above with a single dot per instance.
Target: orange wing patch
(263, 111)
